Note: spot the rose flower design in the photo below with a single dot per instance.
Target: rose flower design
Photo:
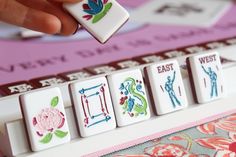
(49, 121)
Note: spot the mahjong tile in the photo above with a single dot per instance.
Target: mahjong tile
(167, 86)
(129, 97)
(101, 69)
(75, 75)
(93, 106)
(45, 118)
(231, 41)
(102, 18)
(47, 81)
(148, 58)
(215, 45)
(126, 64)
(174, 53)
(16, 88)
(195, 49)
(205, 72)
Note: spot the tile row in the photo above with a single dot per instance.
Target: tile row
(23, 86)
(119, 99)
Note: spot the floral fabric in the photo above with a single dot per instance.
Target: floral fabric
(214, 139)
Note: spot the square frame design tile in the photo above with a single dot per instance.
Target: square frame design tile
(93, 106)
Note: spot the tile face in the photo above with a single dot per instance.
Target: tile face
(206, 75)
(129, 97)
(102, 18)
(167, 86)
(45, 118)
(93, 106)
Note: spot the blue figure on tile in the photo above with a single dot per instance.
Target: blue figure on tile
(169, 88)
(130, 104)
(213, 78)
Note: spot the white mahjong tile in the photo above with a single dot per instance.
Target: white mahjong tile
(215, 45)
(151, 58)
(195, 49)
(51, 82)
(128, 64)
(45, 118)
(103, 69)
(78, 75)
(102, 18)
(231, 41)
(129, 97)
(167, 86)
(206, 74)
(93, 106)
(174, 53)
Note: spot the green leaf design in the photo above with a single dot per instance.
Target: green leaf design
(54, 101)
(60, 133)
(47, 138)
(102, 14)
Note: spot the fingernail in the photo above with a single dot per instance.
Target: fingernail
(78, 27)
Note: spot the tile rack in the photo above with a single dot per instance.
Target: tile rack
(15, 143)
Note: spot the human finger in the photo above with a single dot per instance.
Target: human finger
(15, 13)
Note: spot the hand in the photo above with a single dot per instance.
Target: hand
(45, 16)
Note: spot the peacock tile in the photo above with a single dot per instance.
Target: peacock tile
(129, 97)
(93, 106)
(167, 86)
(101, 18)
(45, 118)
(205, 72)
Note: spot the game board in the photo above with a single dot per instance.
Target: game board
(24, 60)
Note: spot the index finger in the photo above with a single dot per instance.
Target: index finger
(11, 11)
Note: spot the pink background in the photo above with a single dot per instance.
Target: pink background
(23, 60)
